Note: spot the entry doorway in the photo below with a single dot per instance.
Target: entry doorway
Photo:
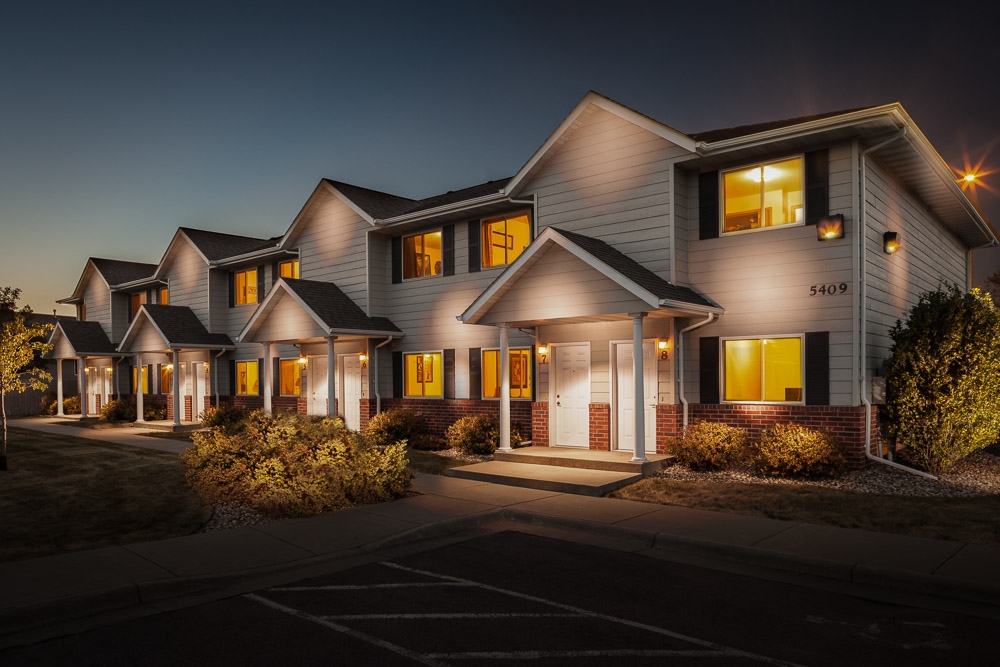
(570, 400)
(625, 397)
(350, 391)
(93, 389)
(318, 388)
(199, 390)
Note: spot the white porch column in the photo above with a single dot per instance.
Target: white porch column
(138, 387)
(504, 389)
(59, 387)
(331, 380)
(266, 388)
(83, 387)
(176, 381)
(639, 397)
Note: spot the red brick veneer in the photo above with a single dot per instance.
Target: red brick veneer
(540, 424)
(600, 426)
(443, 413)
(669, 420)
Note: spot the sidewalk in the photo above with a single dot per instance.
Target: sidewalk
(68, 592)
(136, 436)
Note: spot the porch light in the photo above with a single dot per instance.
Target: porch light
(890, 242)
(302, 360)
(363, 358)
(543, 353)
(663, 346)
(831, 227)
(170, 367)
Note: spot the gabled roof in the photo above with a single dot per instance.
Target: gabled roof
(215, 246)
(116, 271)
(645, 285)
(710, 136)
(179, 328)
(86, 338)
(376, 204)
(328, 306)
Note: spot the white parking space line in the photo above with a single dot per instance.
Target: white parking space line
(378, 617)
(368, 587)
(610, 653)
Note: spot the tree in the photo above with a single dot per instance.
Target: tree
(20, 341)
(943, 376)
(992, 284)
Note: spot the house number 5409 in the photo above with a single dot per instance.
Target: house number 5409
(828, 289)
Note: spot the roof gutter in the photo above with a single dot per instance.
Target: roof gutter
(456, 207)
(236, 259)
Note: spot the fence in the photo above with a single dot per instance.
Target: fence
(24, 404)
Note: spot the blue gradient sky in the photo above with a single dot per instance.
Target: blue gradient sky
(120, 122)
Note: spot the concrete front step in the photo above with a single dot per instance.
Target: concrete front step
(562, 479)
(584, 458)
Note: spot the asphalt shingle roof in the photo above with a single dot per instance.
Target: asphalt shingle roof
(381, 205)
(216, 245)
(181, 327)
(117, 271)
(744, 130)
(635, 271)
(87, 337)
(336, 309)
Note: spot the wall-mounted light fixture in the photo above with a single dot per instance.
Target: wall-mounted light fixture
(302, 359)
(363, 358)
(170, 367)
(890, 242)
(664, 348)
(831, 227)
(543, 353)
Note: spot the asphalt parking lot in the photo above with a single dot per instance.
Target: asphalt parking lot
(511, 596)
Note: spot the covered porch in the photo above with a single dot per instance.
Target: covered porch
(97, 359)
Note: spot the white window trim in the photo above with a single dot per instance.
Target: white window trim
(424, 398)
(402, 260)
(722, 199)
(722, 369)
(531, 353)
(482, 241)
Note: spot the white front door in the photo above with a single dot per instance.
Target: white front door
(108, 384)
(571, 412)
(625, 396)
(198, 390)
(350, 391)
(317, 386)
(93, 390)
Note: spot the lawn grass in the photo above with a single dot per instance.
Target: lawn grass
(430, 463)
(65, 494)
(961, 519)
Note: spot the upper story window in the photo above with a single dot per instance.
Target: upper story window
(136, 301)
(504, 239)
(245, 287)
(520, 373)
(765, 370)
(422, 375)
(164, 296)
(289, 269)
(422, 255)
(763, 195)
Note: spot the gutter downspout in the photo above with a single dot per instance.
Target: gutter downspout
(215, 376)
(680, 362)
(378, 396)
(863, 324)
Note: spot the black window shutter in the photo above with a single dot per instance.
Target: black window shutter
(274, 273)
(817, 186)
(708, 205)
(397, 259)
(232, 289)
(131, 379)
(474, 251)
(276, 376)
(476, 372)
(149, 377)
(448, 251)
(449, 373)
(159, 376)
(397, 375)
(149, 296)
(708, 369)
(232, 377)
(260, 283)
(260, 377)
(818, 368)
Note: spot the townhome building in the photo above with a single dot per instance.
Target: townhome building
(628, 279)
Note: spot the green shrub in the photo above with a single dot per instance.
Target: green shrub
(225, 417)
(71, 405)
(49, 404)
(709, 446)
(479, 434)
(286, 465)
(119, 410)
(795, 450)
(943, 377)
(397, 425)
(152, 412)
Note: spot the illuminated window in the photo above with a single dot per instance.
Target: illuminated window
(164, 296)
(246, 378)
(504, 239)
(520, 373)
(137, 301)
(166, 379)
(289, 372)
(764, 369)
(245, 283)
(82, 312)
(423, 374)
(145, 380)
(763, 196)
(289, 269)
(422, 255)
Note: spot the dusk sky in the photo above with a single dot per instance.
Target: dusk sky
(120, 122)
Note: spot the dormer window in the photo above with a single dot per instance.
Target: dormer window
(763, 195)
(422, 255)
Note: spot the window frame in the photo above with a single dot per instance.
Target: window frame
(246, 286)
(294, 263)
(440, 354)
(298, 367)
(133, 307)
(402, 259)
(722, 369)
(170, 378)
(236, 380)
(482, 372)
(506, 216)
(760, 163)
(163, 296)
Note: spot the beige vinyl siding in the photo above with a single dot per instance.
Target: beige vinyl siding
(146, 339)
(237, 317)
(187, 277)
(685, 201)
(288, 321)
(97, 300)
(610, 179)
(218, 294)
(121, 308)
(763, 281)
(929, 255)
(379, 274)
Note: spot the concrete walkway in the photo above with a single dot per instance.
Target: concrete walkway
(136, 436)
(57, 594)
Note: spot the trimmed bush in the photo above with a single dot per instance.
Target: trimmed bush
(709, 446)
(71, 406)
(153, 412)
(397, 425)
(49, 404)
(286, 465)
(119, 410)
(479, 434)
(225, 417)
(786, 450)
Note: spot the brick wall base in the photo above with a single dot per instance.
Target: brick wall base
(600, 426)
(441, 414)
(669, 419)
(540, 424)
